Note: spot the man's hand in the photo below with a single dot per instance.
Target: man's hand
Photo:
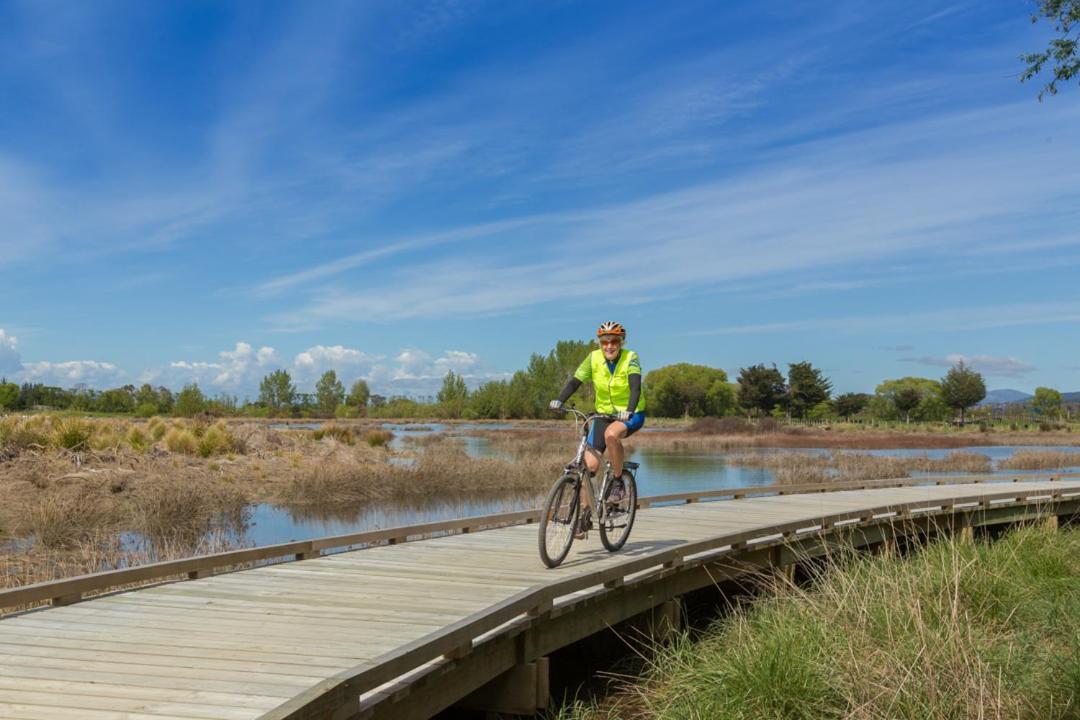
(623, 415)
(555, 405)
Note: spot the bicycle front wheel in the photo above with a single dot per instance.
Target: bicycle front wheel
(559, 520)
(620, 508)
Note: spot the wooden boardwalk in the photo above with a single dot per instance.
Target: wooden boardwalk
(269, 641)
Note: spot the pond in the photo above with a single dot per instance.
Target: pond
(661, 472)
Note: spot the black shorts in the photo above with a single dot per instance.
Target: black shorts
(596, 435)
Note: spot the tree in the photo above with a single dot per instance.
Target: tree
(1063, 50)
(9, 395)
(359, 394)
(807, 387)
(761, 389)
(689, 390)
(277, 392)
(329, 392)
(962, 388)
(452, 395)
(907, 399)
(928, 407)
(850, 404)
(190, 401)
(488, 401)
(1047, 402)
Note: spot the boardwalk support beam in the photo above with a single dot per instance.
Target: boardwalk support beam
(522, 690)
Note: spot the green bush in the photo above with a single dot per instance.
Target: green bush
(146, 410)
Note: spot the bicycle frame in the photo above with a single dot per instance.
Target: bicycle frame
(578, 464)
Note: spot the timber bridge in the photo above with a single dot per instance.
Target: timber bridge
(405, 622)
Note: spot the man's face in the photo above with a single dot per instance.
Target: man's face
(611, 345)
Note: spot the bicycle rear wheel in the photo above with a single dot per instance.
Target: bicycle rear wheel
(559, 520)
(620, 508)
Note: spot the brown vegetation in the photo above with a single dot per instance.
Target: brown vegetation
(804, 468)
(1041, 460)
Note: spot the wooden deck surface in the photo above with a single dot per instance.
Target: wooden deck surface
(235, 646)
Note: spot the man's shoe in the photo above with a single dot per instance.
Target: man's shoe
(584, 524)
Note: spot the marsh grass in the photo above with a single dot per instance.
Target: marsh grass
(71, 433)
(340, 433)
(957, 630)
(1040, 460)
(180, 511)
(66, 516)
(180, 440)
(344, 477)
(806, 468)
(377, 437)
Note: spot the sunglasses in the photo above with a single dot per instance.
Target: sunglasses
(611, 341)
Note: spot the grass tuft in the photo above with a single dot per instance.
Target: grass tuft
(958, 630)
(181, 441)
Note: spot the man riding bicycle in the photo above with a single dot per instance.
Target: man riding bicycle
(616, 377)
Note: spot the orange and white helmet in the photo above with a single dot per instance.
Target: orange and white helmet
(611, 328)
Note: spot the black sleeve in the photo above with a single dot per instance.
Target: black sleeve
(571, 387)
(635, 392)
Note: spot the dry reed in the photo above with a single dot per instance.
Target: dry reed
(1040, 460)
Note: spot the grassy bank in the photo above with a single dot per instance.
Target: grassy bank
(959, 630)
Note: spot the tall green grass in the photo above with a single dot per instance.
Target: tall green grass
(960, 630)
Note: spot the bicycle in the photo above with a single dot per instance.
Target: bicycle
(562, 509)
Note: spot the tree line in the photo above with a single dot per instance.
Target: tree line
(679, 390)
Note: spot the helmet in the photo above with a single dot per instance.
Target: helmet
(611, 328)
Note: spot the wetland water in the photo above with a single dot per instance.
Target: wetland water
(661, 472)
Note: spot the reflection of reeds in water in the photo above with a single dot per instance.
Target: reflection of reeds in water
(1040, 460)
(807, 468)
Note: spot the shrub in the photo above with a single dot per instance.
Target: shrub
(106, 437)
(146, 410)
(156, 428)
(72, 434)
(181, 441)
(216, 440)
(137, 438)
(338, 432)
(377, 437)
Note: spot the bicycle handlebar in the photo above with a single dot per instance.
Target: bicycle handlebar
(586, 417)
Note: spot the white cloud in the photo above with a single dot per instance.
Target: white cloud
(238, 370)
(986, 364)
(91, 373)
(349, 364)
(792, 212)
(10, 361)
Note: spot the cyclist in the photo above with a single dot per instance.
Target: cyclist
(616, 376)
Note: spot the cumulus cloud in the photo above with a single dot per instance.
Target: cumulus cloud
(986, 364)
(74, 372)
(237, 370)
(349, 363)
(10, 361)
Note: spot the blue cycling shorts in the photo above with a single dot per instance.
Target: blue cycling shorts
(596, 435)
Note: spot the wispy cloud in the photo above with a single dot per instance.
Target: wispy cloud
(949, 320)
(988, 364)
(828, 203)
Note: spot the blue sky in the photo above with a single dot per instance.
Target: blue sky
(207, 191)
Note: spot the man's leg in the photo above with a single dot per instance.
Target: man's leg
(613, 436)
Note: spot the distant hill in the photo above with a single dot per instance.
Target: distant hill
(1006, 396)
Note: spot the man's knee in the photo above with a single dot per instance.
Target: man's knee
(614, 434)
